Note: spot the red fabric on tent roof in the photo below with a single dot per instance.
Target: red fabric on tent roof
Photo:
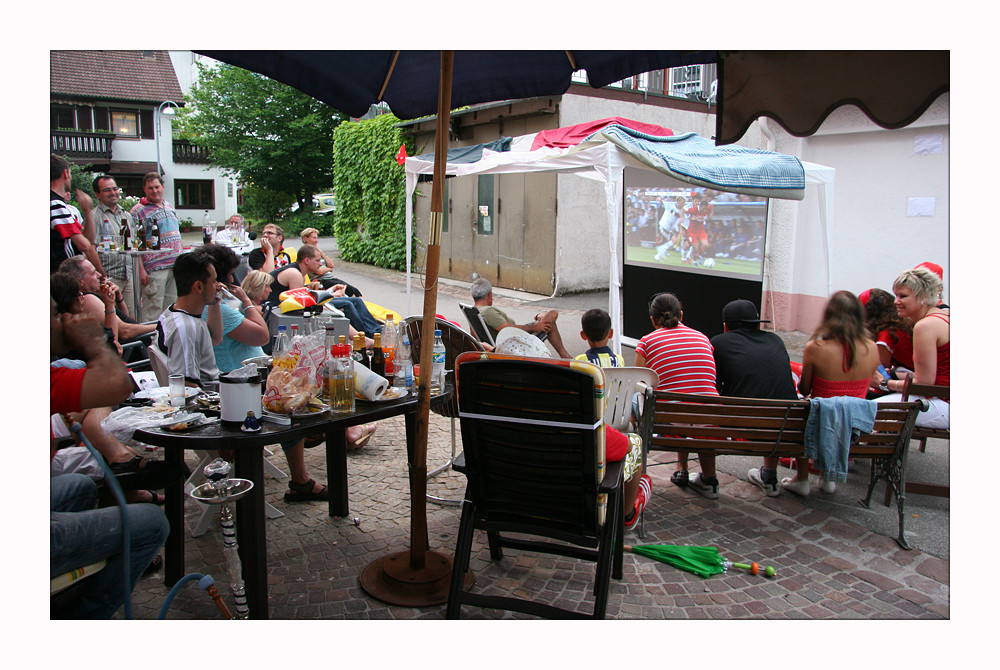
(570, 136)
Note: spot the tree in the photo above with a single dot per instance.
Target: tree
(271, 135)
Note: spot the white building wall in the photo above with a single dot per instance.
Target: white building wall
(873, 237)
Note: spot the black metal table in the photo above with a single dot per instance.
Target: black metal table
(249, 464)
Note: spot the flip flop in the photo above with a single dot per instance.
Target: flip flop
(366, 434)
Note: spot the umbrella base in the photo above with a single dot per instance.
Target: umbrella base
(392, 580)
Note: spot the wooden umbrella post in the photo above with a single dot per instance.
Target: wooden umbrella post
(419, 577)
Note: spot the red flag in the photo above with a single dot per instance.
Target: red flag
(401, 154)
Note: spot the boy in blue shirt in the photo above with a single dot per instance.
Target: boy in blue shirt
(597, 331)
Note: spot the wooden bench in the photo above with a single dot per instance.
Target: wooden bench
(921, 435)
(726, 426)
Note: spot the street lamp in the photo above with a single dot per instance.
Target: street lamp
(166, 107)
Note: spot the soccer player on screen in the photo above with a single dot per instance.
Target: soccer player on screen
(670, 227)
(697, 236)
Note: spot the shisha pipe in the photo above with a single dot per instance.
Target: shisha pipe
(219, 490)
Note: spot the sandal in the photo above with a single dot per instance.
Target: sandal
(366, 434)
(679, 478)
(305, 492)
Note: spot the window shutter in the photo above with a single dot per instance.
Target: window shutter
(146, 131)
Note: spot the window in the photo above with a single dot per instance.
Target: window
(125, 124)
(194, 194)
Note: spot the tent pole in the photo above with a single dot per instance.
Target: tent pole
(419, 577)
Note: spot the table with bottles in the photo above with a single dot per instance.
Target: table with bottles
(249, 464)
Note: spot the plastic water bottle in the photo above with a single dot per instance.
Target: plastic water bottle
(437, 356)
(280, 342)
(402, 367)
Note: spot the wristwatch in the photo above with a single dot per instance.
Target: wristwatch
(884, 384)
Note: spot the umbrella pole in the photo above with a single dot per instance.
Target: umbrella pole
(419, 577)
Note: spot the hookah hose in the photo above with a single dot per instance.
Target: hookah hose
(205, 582)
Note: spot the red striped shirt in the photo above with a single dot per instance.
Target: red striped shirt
(682, 357)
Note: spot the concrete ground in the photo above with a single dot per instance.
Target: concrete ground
(834, 559)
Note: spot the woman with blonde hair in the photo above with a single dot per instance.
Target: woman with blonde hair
(839, 360)
(917, 299)
(257, 286)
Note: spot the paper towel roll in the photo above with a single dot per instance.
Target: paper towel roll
(369, 384)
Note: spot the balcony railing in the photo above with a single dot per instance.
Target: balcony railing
(82, 144)
(185, 152)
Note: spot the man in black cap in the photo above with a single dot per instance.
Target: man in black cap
(752, 363)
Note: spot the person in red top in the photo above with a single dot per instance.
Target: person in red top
(839, 360)
(682, 357)
(918, 294)
(892, 333)
(70, 231)
(79, 534)
(696, 233)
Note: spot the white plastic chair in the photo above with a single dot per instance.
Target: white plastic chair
(620, 386)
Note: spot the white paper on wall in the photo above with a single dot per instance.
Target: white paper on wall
(925, 145)
(920, 206)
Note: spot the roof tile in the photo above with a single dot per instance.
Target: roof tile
(134, 75)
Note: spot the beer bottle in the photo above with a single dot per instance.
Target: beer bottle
(154, 236)
(126, 235)
(140, 244)
(378, 358)
(359, 355)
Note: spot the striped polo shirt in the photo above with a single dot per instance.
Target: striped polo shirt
(682, 357)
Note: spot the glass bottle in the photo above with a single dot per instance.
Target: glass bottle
(340, 377)
(378, 358)
(154, 237)
(389, 346)
(359, 355)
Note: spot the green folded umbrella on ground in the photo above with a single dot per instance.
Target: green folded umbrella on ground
(701, 561)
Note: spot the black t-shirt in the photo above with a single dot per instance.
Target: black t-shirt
(752, 364)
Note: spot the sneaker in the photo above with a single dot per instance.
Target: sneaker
(796, 486)
(770, 489)
(826, 486)
(704, 488)
(642, 497)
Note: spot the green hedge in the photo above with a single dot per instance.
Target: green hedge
(370, 192)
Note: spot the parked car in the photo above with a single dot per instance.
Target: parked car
(322, 204)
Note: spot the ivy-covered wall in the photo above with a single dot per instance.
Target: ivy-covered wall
(370, 192)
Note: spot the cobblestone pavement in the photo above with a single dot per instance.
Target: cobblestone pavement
(827, 568)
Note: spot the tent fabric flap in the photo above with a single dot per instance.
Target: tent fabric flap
(688, 157)
(696, 160)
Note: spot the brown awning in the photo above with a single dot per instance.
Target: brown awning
(799, 89)
(132, 167)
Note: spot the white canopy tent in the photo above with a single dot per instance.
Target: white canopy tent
(603, 157)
